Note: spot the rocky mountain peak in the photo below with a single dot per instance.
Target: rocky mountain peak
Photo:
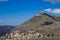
(56, 18)
(42, 13)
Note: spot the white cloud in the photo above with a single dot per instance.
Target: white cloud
(56, 11)
(52, 1)
(3, 0)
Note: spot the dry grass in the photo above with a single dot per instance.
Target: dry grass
(46, 39)
(41, 39)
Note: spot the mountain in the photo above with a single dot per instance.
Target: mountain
(42, 22)
(5, 29)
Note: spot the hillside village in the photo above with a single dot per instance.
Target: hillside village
(24, 36)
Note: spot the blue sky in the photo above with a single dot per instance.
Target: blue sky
(15, 12)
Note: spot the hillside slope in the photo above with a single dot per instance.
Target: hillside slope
(42, 21)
